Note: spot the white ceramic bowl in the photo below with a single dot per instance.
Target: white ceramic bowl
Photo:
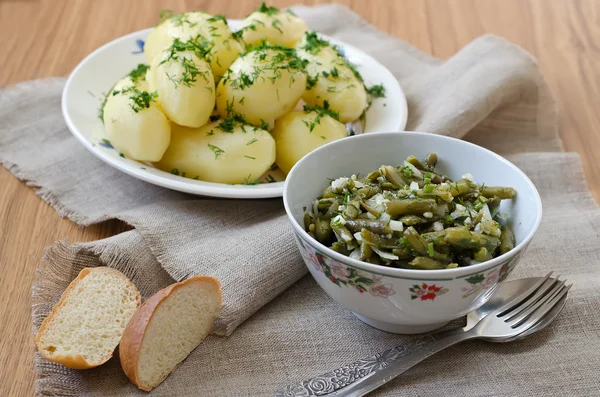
(404, 300)
(97, 73)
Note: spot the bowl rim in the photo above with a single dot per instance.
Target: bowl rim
(447, 274)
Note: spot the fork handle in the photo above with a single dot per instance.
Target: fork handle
(394, 368)
(367, 374)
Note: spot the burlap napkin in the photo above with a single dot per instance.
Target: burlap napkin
(491, 93)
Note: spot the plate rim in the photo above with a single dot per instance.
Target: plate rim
(273, 190)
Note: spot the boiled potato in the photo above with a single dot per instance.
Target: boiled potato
(275, 27)
(332, 80)
(222, 152)
(225, 48)
(262, 85)
(185, 86)
(298, 133)
(213, 31)
(134, 123)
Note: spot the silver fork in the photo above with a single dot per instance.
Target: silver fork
(515, 315)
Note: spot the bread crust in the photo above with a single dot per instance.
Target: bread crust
(76, 361)
(133, 336)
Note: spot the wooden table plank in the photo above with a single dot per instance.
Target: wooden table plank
(48, 38)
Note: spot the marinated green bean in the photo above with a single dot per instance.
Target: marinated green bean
(323, 230)
(365, 251)
(352, 210)
(424, 263)
(422, 247)
(412, 217)
(463, 238)
(417, 163)
(493, 203)
(370, 210)
(333, 208)
(482, 255)
(340, 247)
(377, 241)
(373, 225)
(507, 240)
(308, 220)
(392, 176)
(409, 206)
(431, 159)
(498, 191)
(412, 220)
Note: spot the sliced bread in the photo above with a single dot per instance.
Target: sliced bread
(167, 328)
(86, 325)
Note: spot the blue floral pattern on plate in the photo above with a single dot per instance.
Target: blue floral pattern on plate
(140, 44)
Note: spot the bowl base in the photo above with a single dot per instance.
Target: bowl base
(398, 328)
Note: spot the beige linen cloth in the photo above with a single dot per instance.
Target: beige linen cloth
(491, 93)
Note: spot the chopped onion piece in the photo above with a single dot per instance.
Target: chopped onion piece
(358, 237)
(437, 226)
(385, 255)
(397, 226)
(355, 254)
(441, 210)
(414, 169)
(414, 186)
(339, 184)
(487, 216)
(428, 215)
(338, 221)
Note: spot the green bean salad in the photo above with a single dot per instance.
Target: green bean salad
(412, 217)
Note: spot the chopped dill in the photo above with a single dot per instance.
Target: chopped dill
(165, 14)
(311, 82)
(142, 99)
(250, 142)
(313, 43)
(376, 91)
(200, 47)
(407, 172)
(228, 124)
(216, 18)
(139, 73)
(250, 157)
(238, 34)
(139, 100)
(263, 8)
(274, 59)
(264, 125)
(321, 112)
(277, 25)
(247, 180)
(216, 150)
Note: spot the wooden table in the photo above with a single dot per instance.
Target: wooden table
(42, 38)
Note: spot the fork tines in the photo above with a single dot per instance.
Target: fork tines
(532, 305)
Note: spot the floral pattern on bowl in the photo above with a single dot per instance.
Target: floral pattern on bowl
(426, 292)
(342, 275)
(396, 303)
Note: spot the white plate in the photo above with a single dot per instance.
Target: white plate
(93, 77)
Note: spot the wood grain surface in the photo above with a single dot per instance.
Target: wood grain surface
(43, 38)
